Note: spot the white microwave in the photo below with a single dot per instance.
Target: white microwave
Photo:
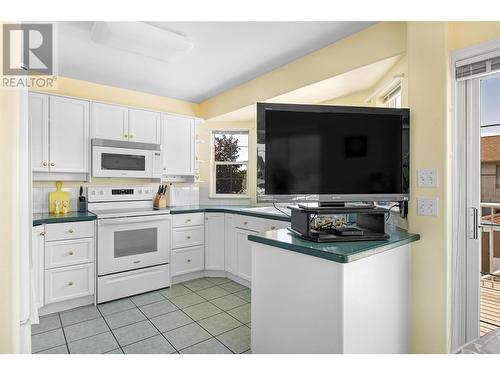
(125, 159)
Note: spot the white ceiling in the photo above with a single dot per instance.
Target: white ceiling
(347, 83)
(225, 54)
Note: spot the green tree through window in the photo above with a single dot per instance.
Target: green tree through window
(231, 162)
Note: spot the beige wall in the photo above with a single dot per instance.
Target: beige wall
(373, 44)
(9, 121)
(115, 95)
(428, 99)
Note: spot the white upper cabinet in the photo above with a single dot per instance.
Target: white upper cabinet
(144, 126)
(121, 123)
(178, 144)
(109, 122)
(69, 135)
(39, 123)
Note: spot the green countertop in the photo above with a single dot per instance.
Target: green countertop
(341, 252)
(266, 212)
(46, 218)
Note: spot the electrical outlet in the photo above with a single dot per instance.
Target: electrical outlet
(427, 206)
(427, 177)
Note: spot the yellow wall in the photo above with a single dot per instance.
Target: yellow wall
(467, 34)
(115, 95)
(373, 44)
(428, 84)
(9, 121)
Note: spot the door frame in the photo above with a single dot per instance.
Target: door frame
(464, 307)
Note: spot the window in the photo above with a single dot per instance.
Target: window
(230, 163)
(393, 98)
(497, 176)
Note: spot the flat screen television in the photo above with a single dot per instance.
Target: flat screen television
(332, 153)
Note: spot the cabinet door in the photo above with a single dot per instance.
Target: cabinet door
(39, 123)
(243, 253)
(109, 122)
(36, 266)
(69, 141)
(214, 241)
(178, 145)
(144, 126)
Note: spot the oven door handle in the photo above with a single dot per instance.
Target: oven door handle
(132, 220)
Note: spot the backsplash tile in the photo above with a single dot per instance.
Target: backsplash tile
(41, 198)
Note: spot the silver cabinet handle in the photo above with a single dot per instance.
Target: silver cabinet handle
(188, 237)
(71, 231)
(188, 220)
(44, 163)
(70, 283)
(125, 135)
(71, 253)
(42, 233)
(245, 222)
(131, 136)
(273, 228)
(52, 164)
(189, 260)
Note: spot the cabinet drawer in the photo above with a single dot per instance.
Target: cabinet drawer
(187, 260)
(186, 220)
(258, 224)
(69, 282)
(68, 231)
(189, 236)
(69, 252)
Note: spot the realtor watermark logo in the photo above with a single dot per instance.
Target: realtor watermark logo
(28, 56)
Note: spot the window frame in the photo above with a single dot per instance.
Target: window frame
(391, 97)
(213, 164)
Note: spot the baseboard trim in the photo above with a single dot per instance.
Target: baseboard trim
(209, 273)
(65, 305)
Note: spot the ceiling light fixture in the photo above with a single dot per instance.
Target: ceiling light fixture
(141, 38)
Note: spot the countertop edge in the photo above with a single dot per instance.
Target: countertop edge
(335, 257)
(63, 219)
(237, 211)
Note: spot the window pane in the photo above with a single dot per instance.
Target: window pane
(230, 147)
(490, 105)
(230, 179)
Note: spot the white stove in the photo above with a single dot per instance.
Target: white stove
(133, 241)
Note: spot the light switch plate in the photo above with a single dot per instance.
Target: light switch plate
(427, 177)
(427, 206)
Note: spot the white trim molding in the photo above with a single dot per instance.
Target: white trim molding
(464, 316)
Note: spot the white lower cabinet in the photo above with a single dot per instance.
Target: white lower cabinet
(238, 251)
(188, 239)
(68, 261)
(214, 241)
(189, 259)
(71, 282)
(69, 252)
(242, 251)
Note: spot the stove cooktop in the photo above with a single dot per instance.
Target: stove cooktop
(128, 212)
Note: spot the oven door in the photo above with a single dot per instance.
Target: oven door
(132, 242)
(121, 162)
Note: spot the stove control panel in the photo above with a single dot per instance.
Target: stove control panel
(118, 193)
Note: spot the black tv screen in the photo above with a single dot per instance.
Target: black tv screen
(338, 153)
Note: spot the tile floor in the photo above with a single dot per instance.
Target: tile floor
(210, 315)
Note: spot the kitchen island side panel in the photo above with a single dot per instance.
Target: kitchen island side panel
(376, 302)
(296, 302)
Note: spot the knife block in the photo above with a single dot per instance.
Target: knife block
(160, 201)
